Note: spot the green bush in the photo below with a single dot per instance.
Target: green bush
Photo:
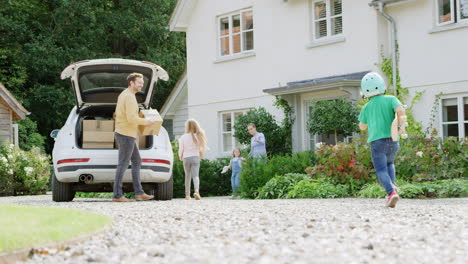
(212, 182)
(372, 190)
(317, 189)
(276, 136)
(23, 172)
(107, 195)
(279, 186)
(435, 189)
(429, 159)
(28, 135)
(257, 172)
(447, 188)
(411, 190)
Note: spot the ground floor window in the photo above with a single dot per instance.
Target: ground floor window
(227, 119)
(454, 116)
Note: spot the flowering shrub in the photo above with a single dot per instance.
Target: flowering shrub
(345, 163)
(23, 172)
(428, 159)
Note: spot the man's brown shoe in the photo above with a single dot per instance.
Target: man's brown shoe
(122, 199)
(144, 197)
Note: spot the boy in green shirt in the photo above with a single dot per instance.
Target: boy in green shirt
(377, 116)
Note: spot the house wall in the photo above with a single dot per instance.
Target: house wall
(283, 54)
(5, 123)
(430, 62)
(180, 114)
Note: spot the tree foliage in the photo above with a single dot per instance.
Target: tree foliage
(333, 117)
(38, 39)
(276, 136)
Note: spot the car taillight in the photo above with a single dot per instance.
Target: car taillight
(156, 161)
(72, 160)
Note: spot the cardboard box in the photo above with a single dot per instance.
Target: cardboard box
(98, 145)
(141, 141)
(98, 125)
(98, 134)
(154, 129)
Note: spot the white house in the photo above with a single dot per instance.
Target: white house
(242, 53)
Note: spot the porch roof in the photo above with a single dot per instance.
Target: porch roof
(19, 112)
(335, 81)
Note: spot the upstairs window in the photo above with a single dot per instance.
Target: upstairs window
(236, 33)
(327, 18)
(451, 11)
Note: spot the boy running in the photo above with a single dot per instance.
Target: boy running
(377, 116)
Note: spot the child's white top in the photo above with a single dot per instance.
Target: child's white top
(187, 147)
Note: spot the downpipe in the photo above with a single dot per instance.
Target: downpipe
(381, 8)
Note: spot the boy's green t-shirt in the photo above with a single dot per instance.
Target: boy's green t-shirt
(378, 115)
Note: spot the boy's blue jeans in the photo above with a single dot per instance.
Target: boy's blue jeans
(383, 152)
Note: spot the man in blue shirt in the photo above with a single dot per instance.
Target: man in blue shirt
(257, 142)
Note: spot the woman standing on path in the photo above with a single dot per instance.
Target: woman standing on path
(192, 145)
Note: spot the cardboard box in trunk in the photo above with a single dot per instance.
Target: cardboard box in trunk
(140, 140)
(98, 134)
(151, 114)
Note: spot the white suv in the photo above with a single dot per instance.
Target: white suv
(97, 84)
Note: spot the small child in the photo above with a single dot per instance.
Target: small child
(377, 116)
(236, 165)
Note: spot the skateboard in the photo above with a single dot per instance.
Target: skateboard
(401, 131)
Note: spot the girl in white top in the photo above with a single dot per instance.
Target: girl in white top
(192, 145)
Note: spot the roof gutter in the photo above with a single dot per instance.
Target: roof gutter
(380, 6)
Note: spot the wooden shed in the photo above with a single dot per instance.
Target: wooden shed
(10, 110)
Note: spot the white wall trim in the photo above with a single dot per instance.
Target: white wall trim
(437, 29)
(242, 55)
(172, 97)
(326, 42)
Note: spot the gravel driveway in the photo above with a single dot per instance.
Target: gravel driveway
(220, 230)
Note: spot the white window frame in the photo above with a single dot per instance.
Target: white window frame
(459, 13)
(222, 132)
(452, 20)
(328, 18)
(455, 15)
(461, 119)
(231, 33)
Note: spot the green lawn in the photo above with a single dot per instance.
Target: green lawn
(27, 226)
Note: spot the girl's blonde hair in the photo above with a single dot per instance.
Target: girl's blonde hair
(192, 127)
(234, 155)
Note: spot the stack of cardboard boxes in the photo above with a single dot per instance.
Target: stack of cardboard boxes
(98, 134)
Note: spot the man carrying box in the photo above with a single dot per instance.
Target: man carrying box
(126, 129)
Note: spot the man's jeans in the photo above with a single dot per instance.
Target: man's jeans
(128, 150)
(384, 151)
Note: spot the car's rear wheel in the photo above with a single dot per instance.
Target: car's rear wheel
(164, 191)
(61, 192)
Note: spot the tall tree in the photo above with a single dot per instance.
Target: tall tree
(40, 38)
